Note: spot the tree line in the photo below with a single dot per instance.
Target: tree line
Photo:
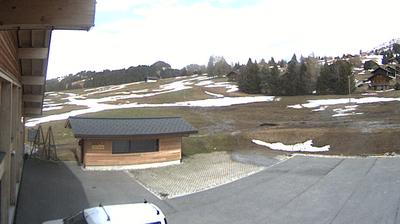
(303, 77)
(89, 79)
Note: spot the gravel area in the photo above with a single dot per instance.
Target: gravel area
(194, 174)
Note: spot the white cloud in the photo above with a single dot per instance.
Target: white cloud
(189, 33)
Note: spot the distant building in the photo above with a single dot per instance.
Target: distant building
(233, 76)
(382, 78)
(151, 79)
(145, 142)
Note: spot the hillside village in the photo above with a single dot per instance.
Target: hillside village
(377, 69)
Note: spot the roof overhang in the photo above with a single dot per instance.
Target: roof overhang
(33, 22)
(50, 14)
(177, 134)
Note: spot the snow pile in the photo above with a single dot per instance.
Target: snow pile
(299, 147)
(213, 94)
(341, 112)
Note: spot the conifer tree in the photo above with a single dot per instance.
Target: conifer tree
(210, 66)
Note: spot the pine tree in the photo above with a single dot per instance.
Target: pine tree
(272, 62)
(249, 79)
(291, 77)
(334, 78)
(210, 66)
(221, 67)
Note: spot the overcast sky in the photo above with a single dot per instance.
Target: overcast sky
(181, 32)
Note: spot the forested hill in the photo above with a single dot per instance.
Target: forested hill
(85, 79)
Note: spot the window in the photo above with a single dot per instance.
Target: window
(135, 146)
(120, 147)
(144, 146)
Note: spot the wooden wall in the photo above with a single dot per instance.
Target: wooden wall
(8, 53)
(98, 152)
(379, 79)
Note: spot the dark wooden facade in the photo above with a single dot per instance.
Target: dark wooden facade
(381, 79)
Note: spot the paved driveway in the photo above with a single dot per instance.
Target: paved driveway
(300, 190)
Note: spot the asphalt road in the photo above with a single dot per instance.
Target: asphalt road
(299, 190)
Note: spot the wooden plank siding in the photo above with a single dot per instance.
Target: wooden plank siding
(98, 152)
(57, 14)
(8, 54)
(380, 79)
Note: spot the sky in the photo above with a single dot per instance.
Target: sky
(181, 32)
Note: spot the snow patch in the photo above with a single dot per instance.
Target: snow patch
(341, 112)
(384, 91)
(227, 85)
(95, 105)
(321, 108)
(204, 83)
(213, 94)
(369, 94)
(52, 108)
(346, 114)
(328, 102)
(299, 147)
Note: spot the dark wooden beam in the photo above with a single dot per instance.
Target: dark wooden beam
(32, 111)
(36, 98)
(33, 53)
(33, 80)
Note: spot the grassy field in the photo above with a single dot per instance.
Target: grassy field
(374, 132)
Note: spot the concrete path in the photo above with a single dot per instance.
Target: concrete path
(299, 190)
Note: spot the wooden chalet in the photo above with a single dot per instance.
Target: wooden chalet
(141, 142)
(233, 76)
(382, 78)
(25, 36)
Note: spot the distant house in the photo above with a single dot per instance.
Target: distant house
(145, 142)
(382, 78)
(78, 84)
(233, 76)
(151, 79)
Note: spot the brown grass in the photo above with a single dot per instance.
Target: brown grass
(376, 131)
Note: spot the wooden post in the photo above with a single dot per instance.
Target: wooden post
(14, 141)
(5, 146)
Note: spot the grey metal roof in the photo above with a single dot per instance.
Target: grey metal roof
(123, 127)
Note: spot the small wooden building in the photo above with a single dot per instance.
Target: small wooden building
(147, 142)
(233, 76)
(381, 79)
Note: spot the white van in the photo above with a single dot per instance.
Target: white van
(143, 213)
